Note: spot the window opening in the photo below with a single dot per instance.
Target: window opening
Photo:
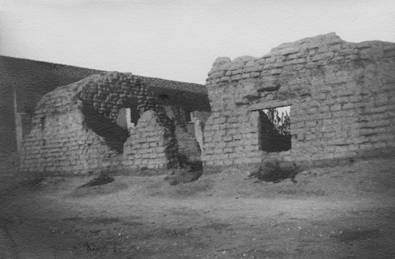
(275, 129)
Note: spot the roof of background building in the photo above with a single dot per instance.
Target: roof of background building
(35, 78)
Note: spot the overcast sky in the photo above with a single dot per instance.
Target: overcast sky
(178, 39)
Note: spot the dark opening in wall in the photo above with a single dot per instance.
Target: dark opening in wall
(42, 123)
(163, 97)
(188, 117)
(123, 118)
(134, 114)
(114, 135)
(275, 129)
(128, 116)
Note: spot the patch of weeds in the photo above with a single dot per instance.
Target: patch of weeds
(351, 235)
(102, 179)
(100, 185)
(274, 170)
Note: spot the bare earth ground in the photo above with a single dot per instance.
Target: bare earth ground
(344, 212)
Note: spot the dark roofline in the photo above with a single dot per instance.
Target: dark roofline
(49, 63)
(151, 81)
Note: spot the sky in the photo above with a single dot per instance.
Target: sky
(178, 39)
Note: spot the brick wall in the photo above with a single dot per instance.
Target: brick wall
(342, 98)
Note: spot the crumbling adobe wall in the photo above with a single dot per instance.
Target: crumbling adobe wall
(58, 141)
(151, 145)
(75, 131)
(342, 98)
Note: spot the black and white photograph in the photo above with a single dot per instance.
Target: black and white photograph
(214, 129)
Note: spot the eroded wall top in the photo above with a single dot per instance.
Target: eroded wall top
(341, 97)
(286, 65)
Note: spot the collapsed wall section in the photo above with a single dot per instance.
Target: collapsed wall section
(342, 99)
(74, 127)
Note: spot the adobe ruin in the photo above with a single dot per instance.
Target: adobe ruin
(113, 121)
(341, 98)
(338, 98)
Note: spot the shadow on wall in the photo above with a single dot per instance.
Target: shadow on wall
(114, 135)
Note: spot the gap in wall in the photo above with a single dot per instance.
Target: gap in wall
(114, 135)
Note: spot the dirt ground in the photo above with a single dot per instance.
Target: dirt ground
(340, 212)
